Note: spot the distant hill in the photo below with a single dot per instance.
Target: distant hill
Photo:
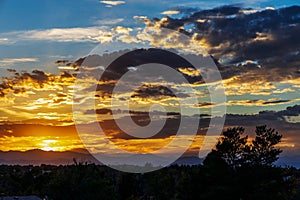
(188, 160)
(38, 157)
(292, 160)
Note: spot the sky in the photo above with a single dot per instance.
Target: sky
(255, 46)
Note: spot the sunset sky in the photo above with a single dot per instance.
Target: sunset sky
(255, 46)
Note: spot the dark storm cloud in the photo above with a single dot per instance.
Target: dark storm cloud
(269, 38)
(157, 91)
(290, 111)
(62, 62)
(119, 63)
(148, 91)
(266, 117)
(170, 128)
(272, 118)
(106, 111)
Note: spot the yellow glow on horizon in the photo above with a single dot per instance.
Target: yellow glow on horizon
(45, 143)
(48, 145)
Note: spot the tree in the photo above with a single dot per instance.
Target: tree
(231, 147)
(235, 149)
(263, 151)
(251, 174)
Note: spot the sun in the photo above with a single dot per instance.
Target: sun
(48, 145)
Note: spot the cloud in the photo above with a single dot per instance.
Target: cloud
(102, 22)
(190, 71)
(122, 30)
(61, 62)
(47, 98)
(256, 102)
(42, 97)
(155, 91)
(205, 104)
(102, 111)
(87, 34)
(290, 111)
(5, 40)
(94, 34)
(67, 34)
(18, 82)
(112, 3)
(248, 83)
(40, 80)
(270, 8)
(258, 81)
(170, 12)
(269, 40)
(12, 61)
(275, 119)
(13, 136)
(131, 59)
(252, 63)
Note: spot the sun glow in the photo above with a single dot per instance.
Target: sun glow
(49, 145)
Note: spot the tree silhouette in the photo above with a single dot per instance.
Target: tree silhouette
(237, 151)
(231, 147)
(263, 151)
(251, 173)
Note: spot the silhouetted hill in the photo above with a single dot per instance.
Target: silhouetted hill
(37, 157)
(188, 160)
